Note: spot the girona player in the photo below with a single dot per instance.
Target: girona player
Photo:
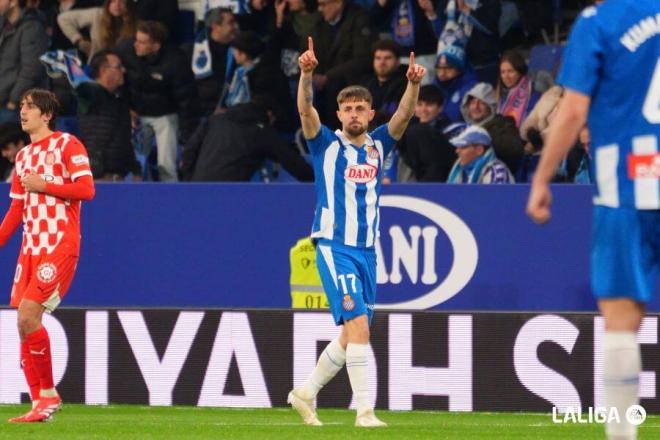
(51, 177)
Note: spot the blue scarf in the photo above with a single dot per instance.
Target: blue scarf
(239, 89)
(403, 24)
(201, 58)
(471, 171)
(59, 63)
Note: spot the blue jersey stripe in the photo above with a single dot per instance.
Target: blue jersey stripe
(360, 195)
(340, 195)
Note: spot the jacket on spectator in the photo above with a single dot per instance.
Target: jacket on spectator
(425, 40)
(21, 45)
(209, 88)
(161, 84)
(105, 129)
(231, 146)
(386, 95)
(485, 169)
(427, 152)
(344, 50)
(502, 129)
(453, 91)
(75, 21)
(542, 113)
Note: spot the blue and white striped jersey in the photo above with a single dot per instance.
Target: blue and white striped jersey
(613, 56)
(348, 184)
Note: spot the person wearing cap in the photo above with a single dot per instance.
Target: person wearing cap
(479, 107)
(257, 74)
(454, 78)
(476, 161)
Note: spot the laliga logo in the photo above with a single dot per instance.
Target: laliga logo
(463, 243)
(362, 173)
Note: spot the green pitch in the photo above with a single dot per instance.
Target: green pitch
(139, 422)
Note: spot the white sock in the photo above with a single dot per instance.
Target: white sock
(622, 363)
(330, 362)
(357, 366)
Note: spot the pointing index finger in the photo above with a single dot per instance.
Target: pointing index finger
(412, 59)
(310, 44)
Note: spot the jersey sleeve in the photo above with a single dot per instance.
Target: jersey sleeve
(16, 191)
(383, 135)
(76, 159)
(583, 54)
(321, 141)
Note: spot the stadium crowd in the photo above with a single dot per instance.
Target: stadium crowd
(163, 93)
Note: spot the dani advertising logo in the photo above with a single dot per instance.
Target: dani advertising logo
(361, 173)
(435, 248)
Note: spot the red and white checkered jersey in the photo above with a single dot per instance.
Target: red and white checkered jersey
(49, 221)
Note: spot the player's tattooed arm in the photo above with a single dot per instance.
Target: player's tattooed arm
(399, 122)
(309, 117)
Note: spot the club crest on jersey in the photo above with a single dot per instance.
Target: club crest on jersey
(46, 272)
(372, 153)
(348, 304)
(50, 159)
(361, 173)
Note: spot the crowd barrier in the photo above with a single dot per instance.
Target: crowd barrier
(441, 247)
(481, 361)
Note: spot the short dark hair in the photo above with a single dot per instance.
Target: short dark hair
(249, 42)
(156, 30)
(217, 16)
(386, 45)
(11, 133)
(46, 101)
(99, 60)
(431, 94)
(354, 93)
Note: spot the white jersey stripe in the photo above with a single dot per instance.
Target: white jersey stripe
(647, 194)
(326, 228)
(350, 201)
(327, 256)
(607, 161)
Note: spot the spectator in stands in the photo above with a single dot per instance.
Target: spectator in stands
(23, 39)
(231, 146)
(388, 80)
(222, 29)
(479, 108)
(107, 26)
(342, 43)
(105, 119)
(294, 22)
(12, 140)
(258, 74)
(515, 93)
(454, 78)
(57, 38)
(476, 161)
(425, 154)
(476, 23)
(540, 117)
(162, 92)
(409, 28)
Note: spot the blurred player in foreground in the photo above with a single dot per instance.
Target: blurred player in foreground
(348, 165)
(51, 177)
(611, 72)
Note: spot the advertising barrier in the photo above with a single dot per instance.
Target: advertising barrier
(446, 247)
(251, 358)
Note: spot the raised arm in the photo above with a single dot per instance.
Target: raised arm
(309, 117)
(406, 109)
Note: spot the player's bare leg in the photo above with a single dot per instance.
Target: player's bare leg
(35, 336)
(621, 362)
